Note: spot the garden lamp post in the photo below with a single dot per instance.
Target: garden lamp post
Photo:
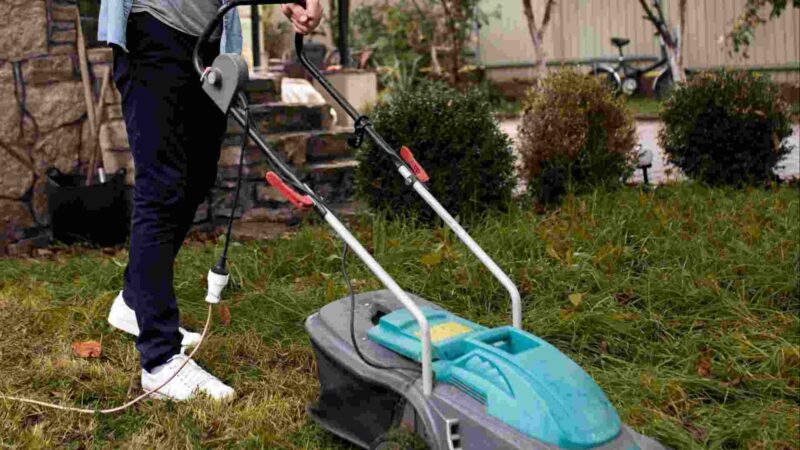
(645, 161)
(344, 24)
(255, 23)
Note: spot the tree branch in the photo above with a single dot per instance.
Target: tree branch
(527, 10)
(665, 34)
(548, 12)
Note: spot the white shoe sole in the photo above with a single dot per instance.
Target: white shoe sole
(120, 317)
(160, 396)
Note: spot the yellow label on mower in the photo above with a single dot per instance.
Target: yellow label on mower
(446, 330)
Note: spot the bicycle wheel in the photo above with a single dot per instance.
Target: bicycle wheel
(664, 85)
(607, 79)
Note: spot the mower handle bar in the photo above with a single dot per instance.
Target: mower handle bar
(417, 185)
(241, 117)
(227, 6)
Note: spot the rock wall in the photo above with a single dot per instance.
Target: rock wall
(43, 113)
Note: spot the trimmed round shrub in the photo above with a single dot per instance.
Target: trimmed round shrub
(575, 136)
(726, 128)
(454, 137)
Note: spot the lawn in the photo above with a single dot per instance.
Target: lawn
(683, 304)
(640, 107)
(644, 107)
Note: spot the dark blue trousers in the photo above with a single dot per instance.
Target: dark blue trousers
(175, 132)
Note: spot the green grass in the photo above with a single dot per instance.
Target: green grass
(688, 319)
(640, 107)
(644, 106)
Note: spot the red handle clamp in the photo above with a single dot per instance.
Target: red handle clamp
(300, 201)
(408, 157)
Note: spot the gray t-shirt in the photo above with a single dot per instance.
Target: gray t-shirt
(188, 16)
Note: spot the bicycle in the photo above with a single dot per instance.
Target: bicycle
(626, 79)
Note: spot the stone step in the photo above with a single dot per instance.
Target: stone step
(264, 87)
(278, 117)
(332, 180)
(297, 148)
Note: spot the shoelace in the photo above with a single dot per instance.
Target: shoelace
(194, 375)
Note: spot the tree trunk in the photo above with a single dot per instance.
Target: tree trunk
(678, 70)
(540, 64)
(675, 61)
(537, 35)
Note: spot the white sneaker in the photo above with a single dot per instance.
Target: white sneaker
(191, 380)
(124, 318)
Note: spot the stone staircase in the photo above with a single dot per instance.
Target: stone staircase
(303, 135)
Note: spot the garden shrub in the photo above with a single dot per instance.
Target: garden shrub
(454, 137)
(575, 135)
(727, 128)
(404, 36)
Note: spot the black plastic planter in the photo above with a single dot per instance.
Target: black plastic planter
(97, 215)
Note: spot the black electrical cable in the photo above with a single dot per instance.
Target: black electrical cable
(353, 321)
(220, 267)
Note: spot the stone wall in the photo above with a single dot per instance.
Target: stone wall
(43, 113)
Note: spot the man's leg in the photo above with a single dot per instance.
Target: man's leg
(160, 102)
(204, 146)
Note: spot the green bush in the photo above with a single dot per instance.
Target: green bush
(575, 135)
(454, 137)
(726, 128)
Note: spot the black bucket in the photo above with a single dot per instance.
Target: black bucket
(97, 215)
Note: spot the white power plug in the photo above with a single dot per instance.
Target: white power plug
(216, 283)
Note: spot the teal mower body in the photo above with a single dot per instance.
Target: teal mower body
(499, 388)
(522, 380)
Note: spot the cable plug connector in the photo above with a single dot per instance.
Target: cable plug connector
(217, 280)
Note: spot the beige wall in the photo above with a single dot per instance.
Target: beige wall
(582, 29)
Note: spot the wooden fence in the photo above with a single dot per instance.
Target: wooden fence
(582, 29)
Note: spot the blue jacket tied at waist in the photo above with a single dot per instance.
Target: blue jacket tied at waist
(114, 20)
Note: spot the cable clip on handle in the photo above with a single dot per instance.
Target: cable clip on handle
(357, 138)
(300, 201)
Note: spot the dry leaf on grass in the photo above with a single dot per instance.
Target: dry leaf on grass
(698, 433)
(576, 298)
(625, 297)
(704, 363)
(87, 349)
(431, 259)
(224, 314)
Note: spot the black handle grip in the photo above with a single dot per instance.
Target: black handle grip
(209, 30)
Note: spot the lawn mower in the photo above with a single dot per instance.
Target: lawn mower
(390, 359)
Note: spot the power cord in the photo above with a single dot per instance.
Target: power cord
(246, 107)
(361, 355)
(217, 280)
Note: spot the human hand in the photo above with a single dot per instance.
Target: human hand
(304, 20)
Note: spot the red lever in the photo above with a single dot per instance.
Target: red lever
(408, 157)
(300, 201)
